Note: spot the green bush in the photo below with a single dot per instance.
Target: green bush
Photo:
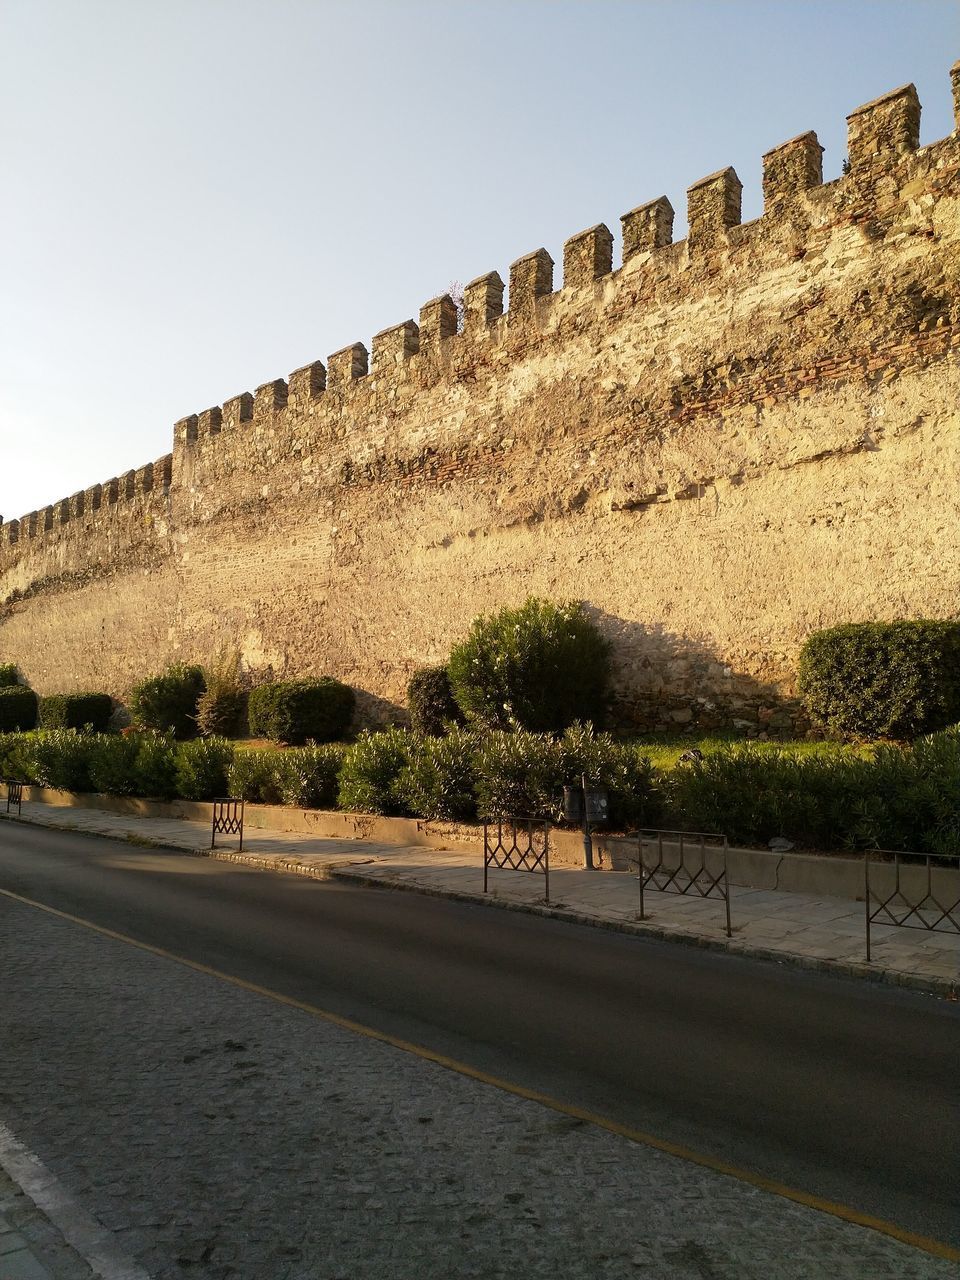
(202, 767)
(540, 667)
(309, 776)
(222, 707)
(431, 703)
(168, 702)
(76, 711)
(58, 758)
(133, 764)
(112, 764)
(438, 780)
(255, 776)
(9, 674)
(18, 708)
(298, 711)
(518, 775)
(619, 767)
(370, 773)
(883, 679)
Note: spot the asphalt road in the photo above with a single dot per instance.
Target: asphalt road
(841, 1088)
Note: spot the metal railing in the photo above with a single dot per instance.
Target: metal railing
(227, 820)
(689, 863)
(517, 844)
(888, 900)
(14, 794)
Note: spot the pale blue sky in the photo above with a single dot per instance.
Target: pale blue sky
(200, 195)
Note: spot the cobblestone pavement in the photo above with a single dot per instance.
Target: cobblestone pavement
(801, 928)
(218, 1134)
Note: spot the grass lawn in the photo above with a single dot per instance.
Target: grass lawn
(664, 749)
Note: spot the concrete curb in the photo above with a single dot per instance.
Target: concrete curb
(943, 988)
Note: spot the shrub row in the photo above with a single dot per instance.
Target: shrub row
(896, 797)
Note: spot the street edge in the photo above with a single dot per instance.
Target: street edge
(942, 988)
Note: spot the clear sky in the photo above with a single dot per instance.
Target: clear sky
(201, 195)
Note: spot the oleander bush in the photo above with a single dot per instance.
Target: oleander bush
(541, 667)
(18, 708)
(76, 711)
(309, 777)
(430, 701)
(9, 674)
(167, 703)
(299, 711)
(201, 768)
(371, 771)
(518, 774)
(438, 779)
(883, 679)
(254, 776)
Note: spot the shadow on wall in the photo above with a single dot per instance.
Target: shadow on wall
(663, 681)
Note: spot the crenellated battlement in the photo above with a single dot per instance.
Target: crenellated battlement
(85, 510)
(626, 423)
(883, 135)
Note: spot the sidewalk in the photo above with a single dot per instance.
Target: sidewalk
(31, 1247)
(792, 928)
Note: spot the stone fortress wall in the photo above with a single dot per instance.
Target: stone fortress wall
(721, 445)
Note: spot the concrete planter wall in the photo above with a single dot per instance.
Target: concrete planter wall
(820, 874)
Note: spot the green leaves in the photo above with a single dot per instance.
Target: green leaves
(540, 667)
(883, 679)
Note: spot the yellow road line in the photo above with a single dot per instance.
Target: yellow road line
(938, 1248)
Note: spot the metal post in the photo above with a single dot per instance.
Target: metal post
(866, 899)
(587, 841)
(640, 869)
(486, 846)
(726, 887)
(546, 863)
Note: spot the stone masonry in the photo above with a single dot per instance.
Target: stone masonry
(725, 443)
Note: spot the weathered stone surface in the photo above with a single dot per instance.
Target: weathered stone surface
(722, 445)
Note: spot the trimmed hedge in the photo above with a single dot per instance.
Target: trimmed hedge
(883, 679)
(76, 711)
(167, 703)
(18, 708)
(298, 711)
(9, 674)
(431, 703)
(438, 778)
(541, 667)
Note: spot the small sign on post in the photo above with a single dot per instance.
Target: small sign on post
(227, 820)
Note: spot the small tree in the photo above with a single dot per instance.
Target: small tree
(540, 667)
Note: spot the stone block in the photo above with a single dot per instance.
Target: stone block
(586, 257)
(347, 365)
(531, 277)
(713, 207)
(790, 170)
(482, 302)
(648, 227)
(883, 131)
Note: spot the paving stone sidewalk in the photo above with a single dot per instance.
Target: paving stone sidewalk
(31, 1247)
(801, 929)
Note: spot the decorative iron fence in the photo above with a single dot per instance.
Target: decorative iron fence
(890, 900)
(227, 820)
(14, 795)
(689, 863)
(517, 844)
